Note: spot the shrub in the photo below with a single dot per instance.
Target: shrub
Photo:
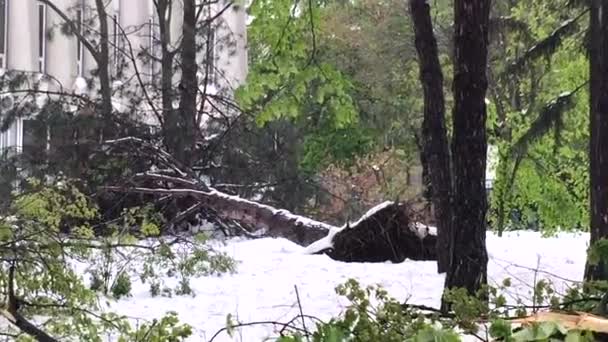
(121, 286)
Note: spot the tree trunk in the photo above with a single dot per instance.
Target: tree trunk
(384, 233)
(171, 127)
(598, 146)
(469, 147)
(103, 61)
(188, 85)
(435, 151)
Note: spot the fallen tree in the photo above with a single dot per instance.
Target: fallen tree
(382, 234)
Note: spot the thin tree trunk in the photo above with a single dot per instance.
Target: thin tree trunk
(188, 86)
(103, 67)
(171, 128)
(469, 146)
(435, 151)
(598, 146)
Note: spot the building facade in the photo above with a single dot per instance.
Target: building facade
(35, 40)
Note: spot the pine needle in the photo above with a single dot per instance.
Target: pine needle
(551, 116)
(545, 47)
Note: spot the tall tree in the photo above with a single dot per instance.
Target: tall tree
(103, 58)
(188, 86)
(167, 56)
(435, 151)
(458, 191)
(469, 146)
(598, 144)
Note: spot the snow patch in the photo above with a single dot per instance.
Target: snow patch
(422, 230)
(80, 85)
(203, 226)
(372, 211)
(327, 242)
(263, 287)
(324, 243)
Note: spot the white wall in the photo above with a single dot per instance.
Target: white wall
(61, 50)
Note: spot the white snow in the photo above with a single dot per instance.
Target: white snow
(324, 243)
(80, 85)
(263, 287)
(423, 230)
(372, 211)
(327, 241)
(491, 165)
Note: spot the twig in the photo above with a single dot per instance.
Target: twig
(556, 276)
(433, 311)
(240, 325)
(301, 313)
(535, 294)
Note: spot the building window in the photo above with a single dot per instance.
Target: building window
(4, 141)
(3, 32)
(41, 37)
(35, 139)
(7, 137)
(79, 45)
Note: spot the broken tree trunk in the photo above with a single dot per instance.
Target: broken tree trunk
(385, 233)
(272, 222)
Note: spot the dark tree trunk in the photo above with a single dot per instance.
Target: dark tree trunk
(188, 85)
(435, 155)
(598, 146)
(469, 147)
(171, 127)
(384, 233)
(103, 64)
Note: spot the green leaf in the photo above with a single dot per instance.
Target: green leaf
(575, 336)
(429, 334)
(500, 329)
(598, 252)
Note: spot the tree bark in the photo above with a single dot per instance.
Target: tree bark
(103, 67)
(598, 145)
(171, 127)
(188, 85)
(384, 233)
(435, 151)
(468, 269)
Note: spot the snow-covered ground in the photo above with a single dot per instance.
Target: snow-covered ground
(263, 287)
